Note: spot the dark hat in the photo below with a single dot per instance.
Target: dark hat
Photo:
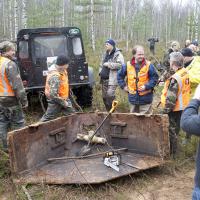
(62, 60)
(111, 42)
(195, 42)
(186, 52)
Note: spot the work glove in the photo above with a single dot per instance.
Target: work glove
(106, 64)
(141, 88)
(25, 105)
(68, 104)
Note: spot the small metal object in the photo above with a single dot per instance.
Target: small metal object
(112, 160)
(110, 153)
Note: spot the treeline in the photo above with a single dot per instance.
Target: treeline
(132, 21)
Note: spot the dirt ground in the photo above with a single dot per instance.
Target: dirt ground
(165, 187)
(173, 182)
(154, 184)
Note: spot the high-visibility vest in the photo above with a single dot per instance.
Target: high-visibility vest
(194, 73)
(63, 90)
(136, 81)
(183, 97)
(194, 70)
(5, 86)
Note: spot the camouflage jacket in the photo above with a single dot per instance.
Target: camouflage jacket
(15, 81)
(171, 96)
(166, 66)
(166, 75)
(115, 63)
(166, 58)
(54, 84)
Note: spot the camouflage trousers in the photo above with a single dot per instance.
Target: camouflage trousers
(174, 128)
(10, 118)
(54, 110)
(142, 109)
(108, 94)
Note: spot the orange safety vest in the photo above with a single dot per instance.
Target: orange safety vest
(63, 90)
(183, 98)
(5, 86)
(142, 79)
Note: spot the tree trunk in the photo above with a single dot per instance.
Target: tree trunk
(10, 19)
(63, 13)
(111, 18)
(24, 15)
(92, 24)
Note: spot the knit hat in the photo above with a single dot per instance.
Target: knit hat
(186, 52)
(195, 42)
(111, 42)
(62, 60)
(6, 46)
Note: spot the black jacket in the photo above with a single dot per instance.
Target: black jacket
(190, 122)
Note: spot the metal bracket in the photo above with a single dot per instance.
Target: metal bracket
(58, 136)
(117, 128)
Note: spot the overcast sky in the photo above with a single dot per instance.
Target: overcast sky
(184, 2)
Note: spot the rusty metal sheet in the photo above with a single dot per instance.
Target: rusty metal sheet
(88, 171)
(145, 136)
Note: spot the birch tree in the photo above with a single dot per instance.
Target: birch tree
(15, 18)
(10, 9)
(24, 14)
(92, 24)
(124, 20)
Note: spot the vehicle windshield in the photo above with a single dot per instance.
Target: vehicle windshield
(49, 46)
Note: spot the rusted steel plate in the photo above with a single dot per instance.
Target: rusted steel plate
(145, 137)
(86, 171)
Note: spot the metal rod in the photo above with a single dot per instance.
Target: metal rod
(88, 156)
(130, 165)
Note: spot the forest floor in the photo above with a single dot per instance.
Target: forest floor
(165, 183)
(173, 181)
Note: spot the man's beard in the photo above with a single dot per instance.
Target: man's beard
(140, 61)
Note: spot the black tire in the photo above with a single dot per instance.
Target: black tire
(84, 96)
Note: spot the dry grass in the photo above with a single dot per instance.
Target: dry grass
(119, 189)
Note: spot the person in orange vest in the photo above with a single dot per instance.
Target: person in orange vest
(141, 79)
(57, 90)
(175, 97)
(12, 93)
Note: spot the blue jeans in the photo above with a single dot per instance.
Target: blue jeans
(196, 194)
